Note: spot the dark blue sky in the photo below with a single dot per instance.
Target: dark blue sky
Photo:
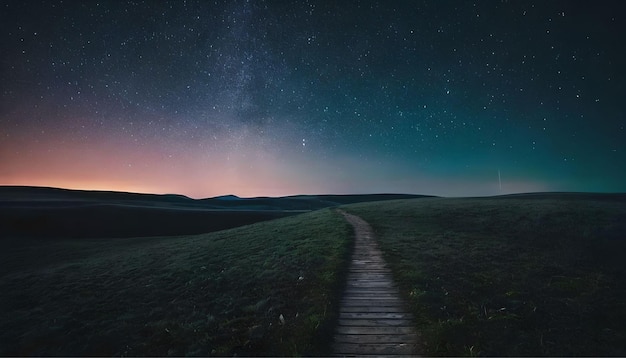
(275, 98)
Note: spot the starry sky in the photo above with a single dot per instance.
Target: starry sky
(270, 98)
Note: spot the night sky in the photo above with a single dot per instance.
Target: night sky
(205, 98)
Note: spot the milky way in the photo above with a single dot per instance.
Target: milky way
(277, 98)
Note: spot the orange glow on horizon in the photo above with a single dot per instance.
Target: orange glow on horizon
(116, 165)
(113, 164)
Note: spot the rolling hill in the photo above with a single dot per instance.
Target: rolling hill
(61, 213)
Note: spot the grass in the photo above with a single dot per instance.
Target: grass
(103, 220)
(265, 289)
(509, 276)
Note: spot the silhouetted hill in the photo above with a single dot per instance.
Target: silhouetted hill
(53, 212)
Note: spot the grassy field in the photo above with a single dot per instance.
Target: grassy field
(511, 276)
(515, 276)
(265, 289)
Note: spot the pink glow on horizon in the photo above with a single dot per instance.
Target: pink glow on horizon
(117, 165)
(246, 169)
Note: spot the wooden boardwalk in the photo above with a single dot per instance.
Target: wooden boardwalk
(372, 317)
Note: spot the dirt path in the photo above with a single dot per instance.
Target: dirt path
(372, 318)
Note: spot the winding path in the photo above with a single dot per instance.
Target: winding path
(372, 316)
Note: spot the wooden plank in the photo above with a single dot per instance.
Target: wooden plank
(369, 269)
(392, 288)
(369, 284)
(372, 289)
(365, 295)
(389, 330)
(369, 263)
(359, 286)
(373, 300)
(394, 322)
(379, 289)
(372, 303)
(375, 270)
(357, 346)
(375, 315)
(368, 279)
(356, 293)
(363, 271)
(369, 276)
(367, 290)
(376, 338)
(371, 309)
(380, 348)
(368, 257)
(351, 291)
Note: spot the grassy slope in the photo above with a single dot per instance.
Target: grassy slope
(114, 221)
(509, 276)
(214, 294)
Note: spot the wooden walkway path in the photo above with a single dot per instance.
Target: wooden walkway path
(372, 316)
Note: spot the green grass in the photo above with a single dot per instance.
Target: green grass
(216, 294)
(509, 277)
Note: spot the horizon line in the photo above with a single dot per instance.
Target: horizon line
(294, 195)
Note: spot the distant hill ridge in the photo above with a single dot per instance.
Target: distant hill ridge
(53, 212)
(28, 194)
(19, 193)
